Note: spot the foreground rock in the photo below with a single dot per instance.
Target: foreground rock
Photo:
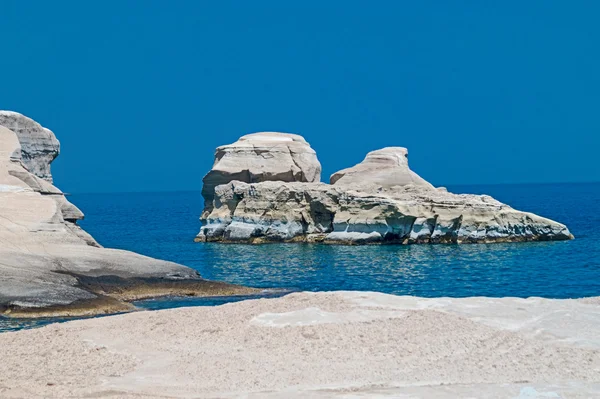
(377, 201)
(48, 264)
(344, 344)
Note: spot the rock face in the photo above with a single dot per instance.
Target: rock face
(266, 156)
(48, 264)
(378, 201)
(387, 167)
(39, 146)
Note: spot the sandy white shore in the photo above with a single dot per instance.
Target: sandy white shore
(343, 345)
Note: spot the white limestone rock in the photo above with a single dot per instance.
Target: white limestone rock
(379, 200)
(265, 156)
(333, 214)
(39, 146)
(44, 254)
(387, 167)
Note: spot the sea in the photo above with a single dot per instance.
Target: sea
(163, 225)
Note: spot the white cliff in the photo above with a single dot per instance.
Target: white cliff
(378, 201)
(48, 264)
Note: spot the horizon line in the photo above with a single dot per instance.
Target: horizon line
(448, 185)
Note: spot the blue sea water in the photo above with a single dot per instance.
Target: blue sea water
(163, 225)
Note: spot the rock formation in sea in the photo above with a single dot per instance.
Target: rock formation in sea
(48, 264)
(377, 201)
(265, 156)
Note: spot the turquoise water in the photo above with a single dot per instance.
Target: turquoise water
(163, 225)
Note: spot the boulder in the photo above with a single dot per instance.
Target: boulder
(49, 265)
(265, 156)
(387, 167)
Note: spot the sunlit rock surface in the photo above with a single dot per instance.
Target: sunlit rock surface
(265, 156)
(377, 201)
(317, 345)
(48, 264)
(39, 146)
(387, 167)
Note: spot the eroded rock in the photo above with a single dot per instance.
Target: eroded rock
(387, 167)
(377, 201)
(318, 212)
(265, 156)
(39, 146)
(44, 254)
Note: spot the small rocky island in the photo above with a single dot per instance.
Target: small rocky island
(266, 187)
(49, 266)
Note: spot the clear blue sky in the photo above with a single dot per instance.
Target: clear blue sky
(141, 92)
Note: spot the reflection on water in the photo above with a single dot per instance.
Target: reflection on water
(428, 270)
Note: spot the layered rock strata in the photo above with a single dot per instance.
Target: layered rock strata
(378, 201)
(48, 264)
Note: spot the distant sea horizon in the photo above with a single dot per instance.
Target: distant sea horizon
(449, 185)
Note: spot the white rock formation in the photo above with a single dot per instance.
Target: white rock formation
(318, 212)
(266, 156)
(317, 345)
(46, 259)
(387, 167)
(39, 146)
(377, 201)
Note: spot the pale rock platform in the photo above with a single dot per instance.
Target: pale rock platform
(317, 345)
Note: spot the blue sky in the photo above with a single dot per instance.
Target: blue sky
(141, 92)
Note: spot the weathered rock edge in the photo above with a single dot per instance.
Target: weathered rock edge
(49, 266)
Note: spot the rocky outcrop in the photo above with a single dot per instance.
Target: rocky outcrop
(303, 212)
(265, 156)
(387, 167)
(378, 201)
(48, 264)
(39, 146)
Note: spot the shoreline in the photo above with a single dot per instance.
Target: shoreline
(114, 294)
